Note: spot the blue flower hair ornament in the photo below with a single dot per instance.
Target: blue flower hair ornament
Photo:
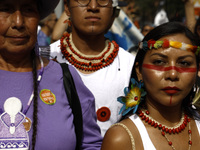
(132, 97)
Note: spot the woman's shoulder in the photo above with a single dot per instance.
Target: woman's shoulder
(123, 135)
(116, 138)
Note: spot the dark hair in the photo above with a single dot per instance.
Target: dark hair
(163, 30)
(35, 97)
(196, 27)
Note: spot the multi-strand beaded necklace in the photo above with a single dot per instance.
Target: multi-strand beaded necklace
(168, 130)
(91, 62)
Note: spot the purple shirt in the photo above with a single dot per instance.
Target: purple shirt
(55, 122)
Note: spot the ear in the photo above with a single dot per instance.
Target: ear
(138, 71)
(198, 72)
(67, 11)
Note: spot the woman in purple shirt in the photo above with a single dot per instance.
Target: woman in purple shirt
(34, 109)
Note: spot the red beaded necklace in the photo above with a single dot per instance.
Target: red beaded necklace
(168, 130)
(84, 62)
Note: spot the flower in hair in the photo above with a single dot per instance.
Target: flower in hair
(132, 97)
(143, 45)
(165, 44)
(152, 44)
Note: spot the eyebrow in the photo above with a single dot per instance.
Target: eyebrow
(159, 54)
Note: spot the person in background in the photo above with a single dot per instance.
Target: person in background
(190, 19)
(103, 66)
(34, 108)
(159, 110)
(146, 29)
(197, 28)
(60, 27)
(44, 34)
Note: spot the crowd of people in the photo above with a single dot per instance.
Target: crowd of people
(89, 93)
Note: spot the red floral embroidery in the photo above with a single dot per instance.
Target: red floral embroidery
(103, 114)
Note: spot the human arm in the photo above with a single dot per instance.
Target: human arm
(189, 14)
(60, 27)
(92, 139)
(117, 138)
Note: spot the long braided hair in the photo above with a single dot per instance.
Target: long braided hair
(35, 101)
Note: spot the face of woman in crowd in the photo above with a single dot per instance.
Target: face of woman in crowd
(91, 19)
(168, 74)
(18, 25)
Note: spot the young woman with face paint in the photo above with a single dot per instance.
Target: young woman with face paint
(164, 116)
(104, 67)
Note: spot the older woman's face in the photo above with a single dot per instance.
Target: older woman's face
(169, 74)
(18, 25)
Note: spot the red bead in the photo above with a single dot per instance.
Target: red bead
(160, 126)
(135, 98)
(163, 128)
(149, 122)
(188, 120)
(174, 131)
(183, 126)
(170, 143)
(189, 131)
(166, 130)
(141, 114)
(143, 117)
(147, 112)
(155, 125)
(190, 142)
(170, 131)
(147, 119)
(177, 130)
(185, 123)
(163, 133)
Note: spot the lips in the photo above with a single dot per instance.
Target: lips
(171, 90)
(93, 18)
(18, 38)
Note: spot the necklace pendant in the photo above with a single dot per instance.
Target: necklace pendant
(13, 132)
